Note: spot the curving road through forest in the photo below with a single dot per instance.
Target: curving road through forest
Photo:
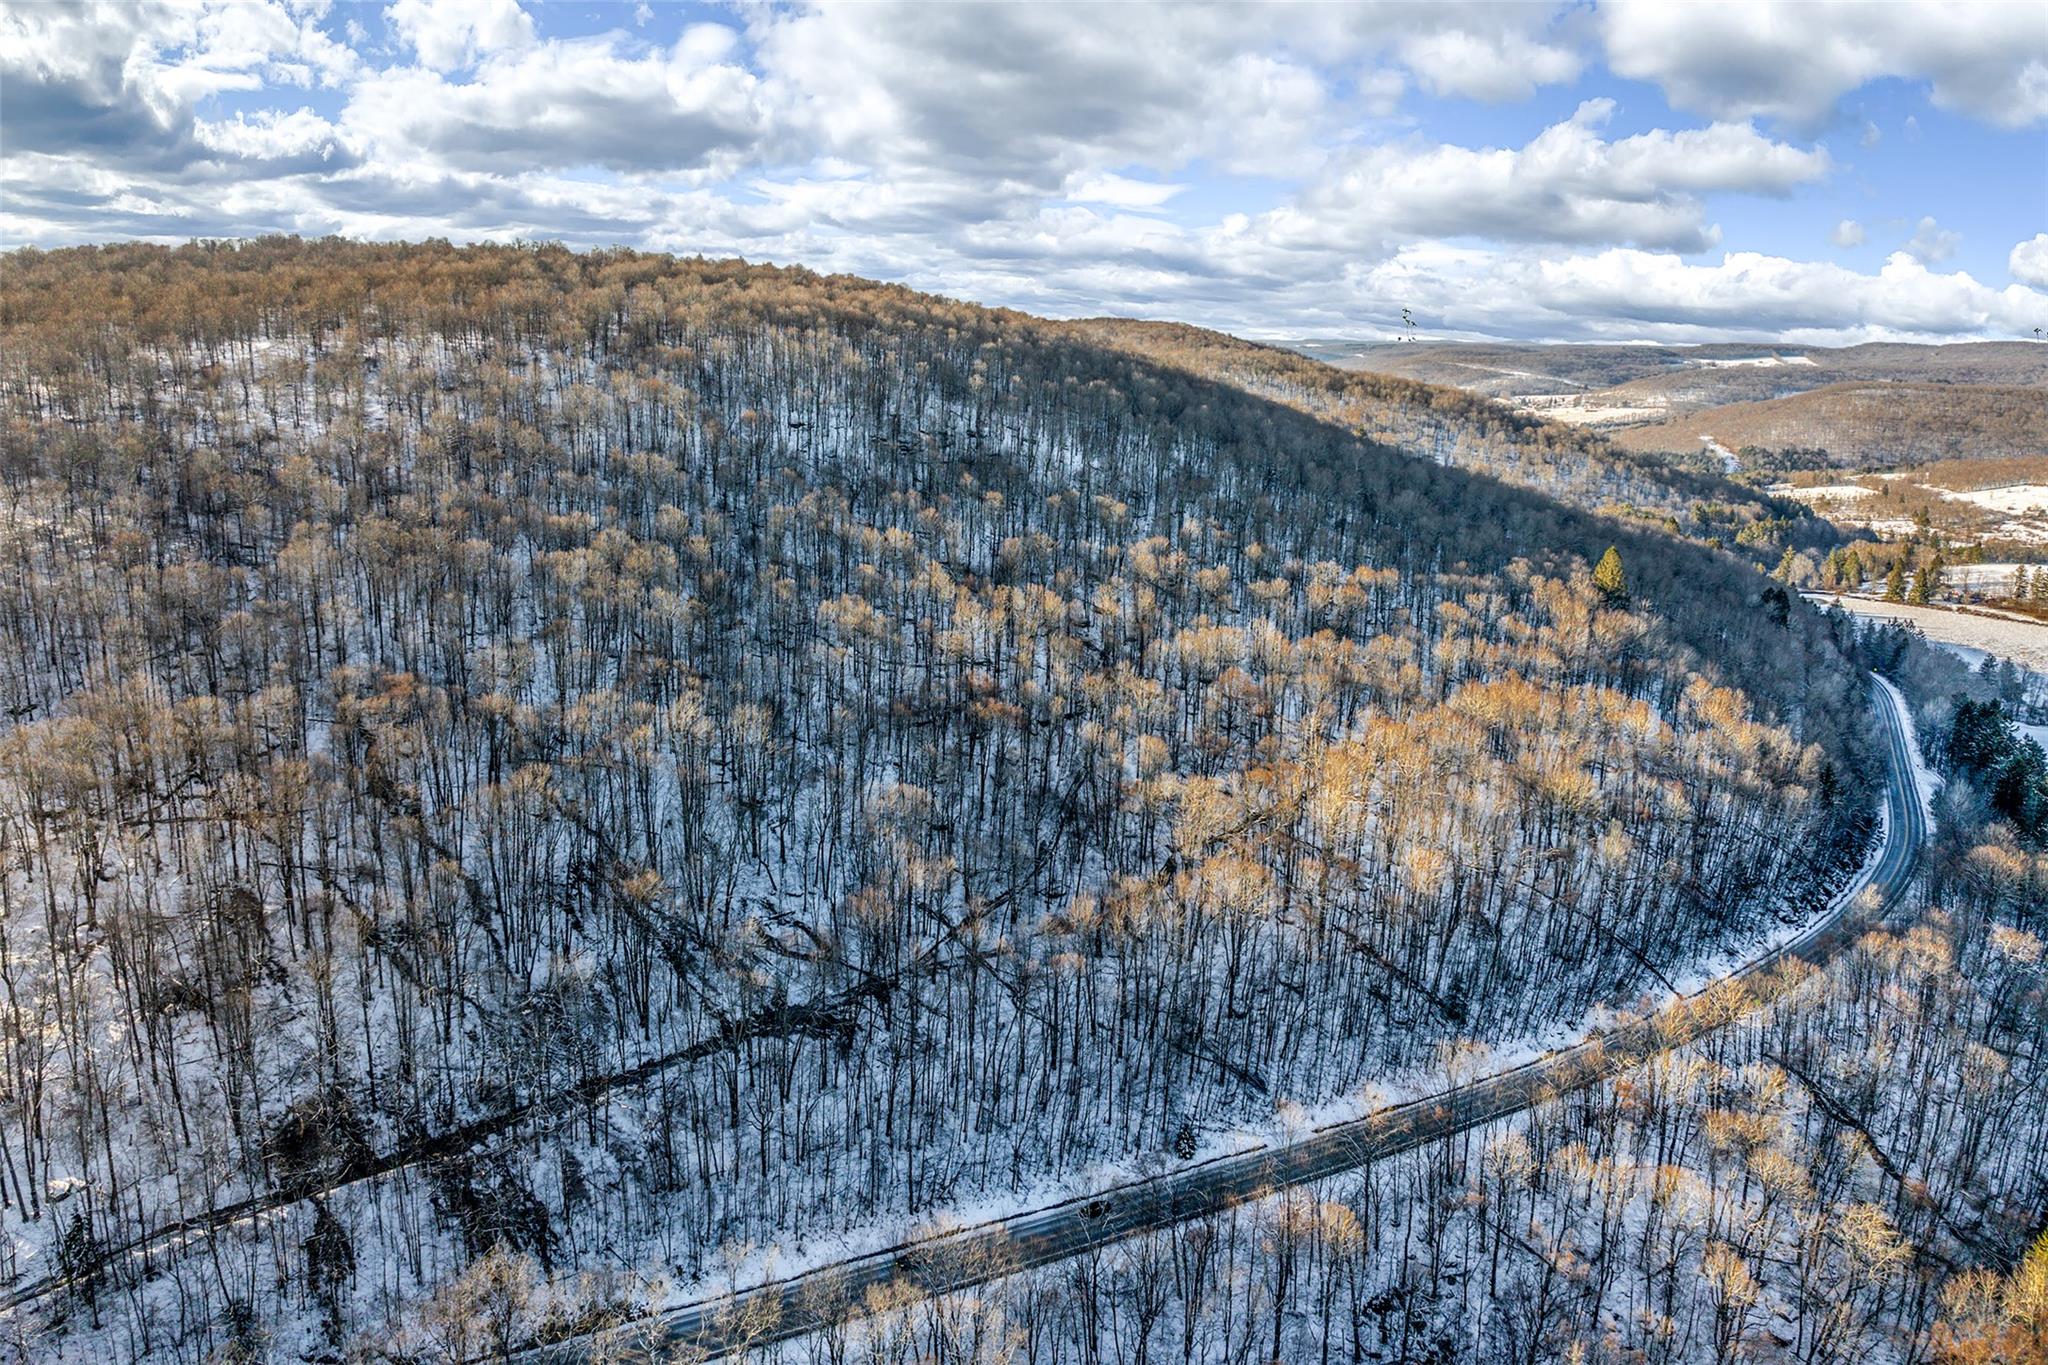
(782, 1309)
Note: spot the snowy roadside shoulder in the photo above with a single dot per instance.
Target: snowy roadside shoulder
(1741, 952)
(1925, 780)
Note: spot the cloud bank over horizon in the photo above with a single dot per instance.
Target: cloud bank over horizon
(1817, 174)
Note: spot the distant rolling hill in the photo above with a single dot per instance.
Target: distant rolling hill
(1735, 370)
(1459, 427)
(1858, 405)
(1863, 424)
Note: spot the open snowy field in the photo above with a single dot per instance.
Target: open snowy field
(1578, 410)
(1760, 362)
(1827, 492)
(2023, 642)
(1984, 578)
(2014, 498)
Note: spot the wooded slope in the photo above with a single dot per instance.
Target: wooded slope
(1455, 427)
(778, 754)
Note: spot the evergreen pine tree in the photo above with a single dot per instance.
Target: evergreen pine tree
(1610, 577)
(1927, 582)
(1895, 582)
(78, 1260)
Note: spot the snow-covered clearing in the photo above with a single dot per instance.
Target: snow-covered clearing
(2013, 497)
(1992, 578)
(1758, 362)
(2023, 642)
(1587, 411)
(1845, 504)
(1827, 492)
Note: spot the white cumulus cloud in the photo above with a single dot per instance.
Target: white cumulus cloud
(1793, 59)
(1502, 65)
(1122, 192)
(1931, 243)
(449, 34)
(1568, 184)
(2028, 262)
(574, 103)
(1265, 168)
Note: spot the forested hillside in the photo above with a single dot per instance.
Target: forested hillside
(1858, 1171)
(543, 768)
(1458, 428)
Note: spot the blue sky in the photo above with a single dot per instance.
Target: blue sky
(1816, 173)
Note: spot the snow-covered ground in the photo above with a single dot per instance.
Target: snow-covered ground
(1757, 362)
(2025, 505)
(2014, 498)
(2023, 642)
(1585, 411)
(1455, 1064)
(1826, 492)
(1986, 578)
(1982, 576)
(1738, 954)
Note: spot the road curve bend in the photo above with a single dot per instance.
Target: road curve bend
(782, 1309)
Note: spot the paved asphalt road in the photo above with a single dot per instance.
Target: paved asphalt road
(790, 1308)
